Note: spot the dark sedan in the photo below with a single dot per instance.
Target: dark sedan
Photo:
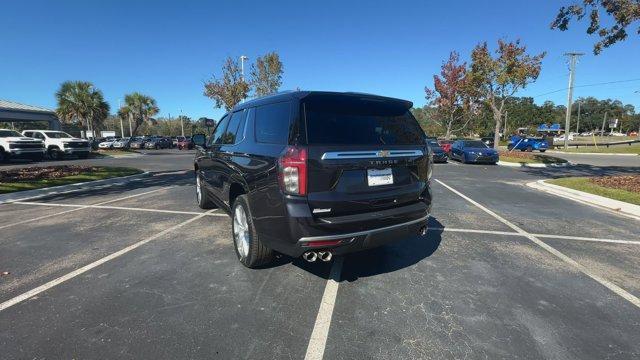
(473, 151)
(439, 155)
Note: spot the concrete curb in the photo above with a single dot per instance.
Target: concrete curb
(533, 165)
(616, 206)
(32, 194)
(596, 154)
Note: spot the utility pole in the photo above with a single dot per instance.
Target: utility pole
(121, 127)
(181, 123)
(567, 121)
(604, 120)
(242, 59)
(578, 124)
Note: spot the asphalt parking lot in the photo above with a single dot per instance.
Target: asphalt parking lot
(139, 271)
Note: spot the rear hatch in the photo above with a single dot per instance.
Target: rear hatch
(365, 153)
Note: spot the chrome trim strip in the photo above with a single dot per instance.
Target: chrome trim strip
(360, 233)
(367, 154)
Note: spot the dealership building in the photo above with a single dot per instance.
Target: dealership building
(13, 112)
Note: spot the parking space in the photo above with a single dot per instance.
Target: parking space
(139, 271)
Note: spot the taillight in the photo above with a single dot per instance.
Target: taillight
(292, 172)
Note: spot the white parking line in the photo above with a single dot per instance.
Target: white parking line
(79, 208)
(82, 270)
(611, 286)
(318, 340)
(114, 208)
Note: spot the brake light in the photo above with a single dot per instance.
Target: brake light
(293, 171)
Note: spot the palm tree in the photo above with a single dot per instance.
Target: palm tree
(81, 102)
(139, 108)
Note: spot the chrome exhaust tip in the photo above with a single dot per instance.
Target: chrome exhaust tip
(310, 256)
(325, 255)
(422, 231)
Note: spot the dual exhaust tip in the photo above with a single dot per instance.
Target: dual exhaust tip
(311, 256)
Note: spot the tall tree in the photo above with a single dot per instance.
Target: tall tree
(497, 79)
(450, 95)
(622, 13)
(139, 108)
(82, 103)
(229, 90)
(266, 74)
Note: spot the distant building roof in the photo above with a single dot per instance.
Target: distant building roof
(11, 105)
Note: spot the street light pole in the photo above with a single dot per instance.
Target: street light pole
(121, 126)
(242, 59)
(567, 120)
(181, 123)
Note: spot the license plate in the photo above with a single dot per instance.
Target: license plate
(376, 177)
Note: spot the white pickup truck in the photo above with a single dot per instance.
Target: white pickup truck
(60, 144)
(14, 145)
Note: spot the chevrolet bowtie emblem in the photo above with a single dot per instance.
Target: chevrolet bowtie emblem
(383, 153)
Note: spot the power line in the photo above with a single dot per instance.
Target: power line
(587, 85)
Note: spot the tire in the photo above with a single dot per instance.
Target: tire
(249, 249)
(83, 156)
(202, 196)
(509, 147)
(529, 148)
(56, 154)
(4, 156)
(543, 150)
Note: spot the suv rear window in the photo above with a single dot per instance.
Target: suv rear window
(335, 120)
(272, 123)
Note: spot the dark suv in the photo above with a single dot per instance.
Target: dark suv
(316, 174)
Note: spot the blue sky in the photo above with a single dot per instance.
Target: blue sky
(166, 49)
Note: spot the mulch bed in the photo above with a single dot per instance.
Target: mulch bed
(42, 173)
(529, 155)
(624, 182)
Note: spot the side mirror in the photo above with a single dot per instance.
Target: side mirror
(199, 140)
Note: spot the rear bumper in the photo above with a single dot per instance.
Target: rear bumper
(301, 231)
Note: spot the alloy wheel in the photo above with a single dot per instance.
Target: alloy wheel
(241, 231)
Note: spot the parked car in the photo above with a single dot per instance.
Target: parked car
(473, 151)
(439, 156)
(15, 145)
(446, 145)
(561, 138)
(617, 134)
(489, 141)
(122, 143)
(587, 133)
(633, 133)
(60, 144)
(174, 141)
(349, 173)
(185, 142)
(138, 142)
(524, 143)
(157, 143)
(107, 144)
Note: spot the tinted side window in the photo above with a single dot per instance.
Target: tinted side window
(216, 137)
(272, 123)
(232, 135)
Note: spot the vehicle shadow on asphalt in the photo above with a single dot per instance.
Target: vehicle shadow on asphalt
(157, 179)
(393, 257)
(384, 259)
